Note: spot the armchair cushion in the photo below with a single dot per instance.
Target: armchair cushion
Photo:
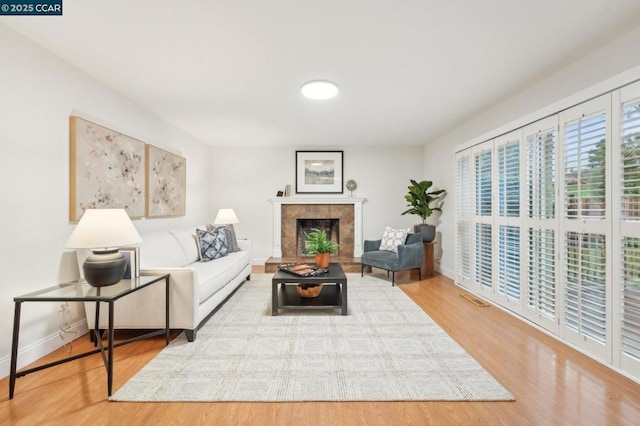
(392, 238)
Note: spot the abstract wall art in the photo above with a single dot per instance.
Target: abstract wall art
(107, 170)
(166, 183)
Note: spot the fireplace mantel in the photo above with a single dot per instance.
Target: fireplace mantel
(277, 218)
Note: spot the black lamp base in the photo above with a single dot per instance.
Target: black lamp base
(104, 267)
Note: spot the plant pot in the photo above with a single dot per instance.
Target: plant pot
(322, 260)
(428, 231)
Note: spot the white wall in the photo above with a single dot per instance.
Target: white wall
(38, 94)
(246, 178)
(611, 65)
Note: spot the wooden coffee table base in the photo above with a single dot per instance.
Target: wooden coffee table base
(333, 294)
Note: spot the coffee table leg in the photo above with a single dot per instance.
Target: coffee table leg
(274, 299)
(343, 290)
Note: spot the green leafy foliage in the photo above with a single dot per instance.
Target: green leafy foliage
(419, 199)
(318, 242)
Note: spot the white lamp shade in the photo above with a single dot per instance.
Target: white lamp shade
(226, 217)
(104, 228)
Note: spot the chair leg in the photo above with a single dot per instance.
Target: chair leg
(419, 274)
(393, 278)
(362, 269)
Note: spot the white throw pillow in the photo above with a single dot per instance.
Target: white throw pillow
(392, 238)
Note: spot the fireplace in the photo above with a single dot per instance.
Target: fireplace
(346, 212)
(304, 225)
(337, 219)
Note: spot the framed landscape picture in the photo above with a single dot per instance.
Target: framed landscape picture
(107, 170)
(166, 183)
(319, 172)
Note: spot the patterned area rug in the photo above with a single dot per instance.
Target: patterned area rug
(386, 349)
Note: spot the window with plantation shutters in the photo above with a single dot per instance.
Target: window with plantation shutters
(464, 236)
(630, 157)
(483, 253)
(631, 296)
(555, 224)
(584, 175)
(509, 261)
(483, 184)
(541, 272)
(509, 179)
(541, 162)
(585, 285)
(463, 205)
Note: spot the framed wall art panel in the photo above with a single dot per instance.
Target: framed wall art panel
(166, 183)
(107, 170)
(319, 172)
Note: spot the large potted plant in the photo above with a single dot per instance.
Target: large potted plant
(420, 201)
(319, 244)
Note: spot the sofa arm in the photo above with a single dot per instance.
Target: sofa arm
(410, 255)
(372, 245)
(144, 309)
(246, 245)
(185, 296)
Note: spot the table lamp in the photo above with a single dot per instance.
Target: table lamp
(226, 217)
(104, 231)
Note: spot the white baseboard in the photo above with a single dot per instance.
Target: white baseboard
(447, 272)
(35, 351)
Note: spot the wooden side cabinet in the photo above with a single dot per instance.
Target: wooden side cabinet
(427, 265)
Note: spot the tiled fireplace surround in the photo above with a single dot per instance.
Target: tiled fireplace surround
(287, 209)
(292, 212)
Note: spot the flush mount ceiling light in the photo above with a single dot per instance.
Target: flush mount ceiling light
(319, 89)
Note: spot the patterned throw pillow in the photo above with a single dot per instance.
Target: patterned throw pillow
(392, 238)
(212, 244)
(232, 240)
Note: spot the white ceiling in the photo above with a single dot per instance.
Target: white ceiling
(229, 71)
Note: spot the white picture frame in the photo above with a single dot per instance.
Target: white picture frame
(319, 172)
(133, 262)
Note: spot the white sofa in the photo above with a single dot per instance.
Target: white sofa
(197, 288)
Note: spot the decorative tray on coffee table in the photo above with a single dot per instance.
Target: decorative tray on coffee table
(301, 269)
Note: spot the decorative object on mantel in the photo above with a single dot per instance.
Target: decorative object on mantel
(420, 200)
(319, 172)
(351, 186)
(319, 244)
(104, 231)
(106, 170)
(166, 183)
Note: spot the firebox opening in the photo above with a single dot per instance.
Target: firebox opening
(330, 226)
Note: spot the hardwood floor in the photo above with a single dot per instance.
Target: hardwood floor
(552, 384)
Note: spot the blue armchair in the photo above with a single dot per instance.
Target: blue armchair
(410, 255)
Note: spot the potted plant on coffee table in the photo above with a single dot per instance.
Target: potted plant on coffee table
(419, 200)
(319, 244)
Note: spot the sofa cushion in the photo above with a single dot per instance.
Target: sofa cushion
(160, 249)
(213, 245)
(188, 241)
(392, 238)
(214, 275)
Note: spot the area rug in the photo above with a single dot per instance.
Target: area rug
(386, 349)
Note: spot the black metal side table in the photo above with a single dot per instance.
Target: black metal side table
(80, 291)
